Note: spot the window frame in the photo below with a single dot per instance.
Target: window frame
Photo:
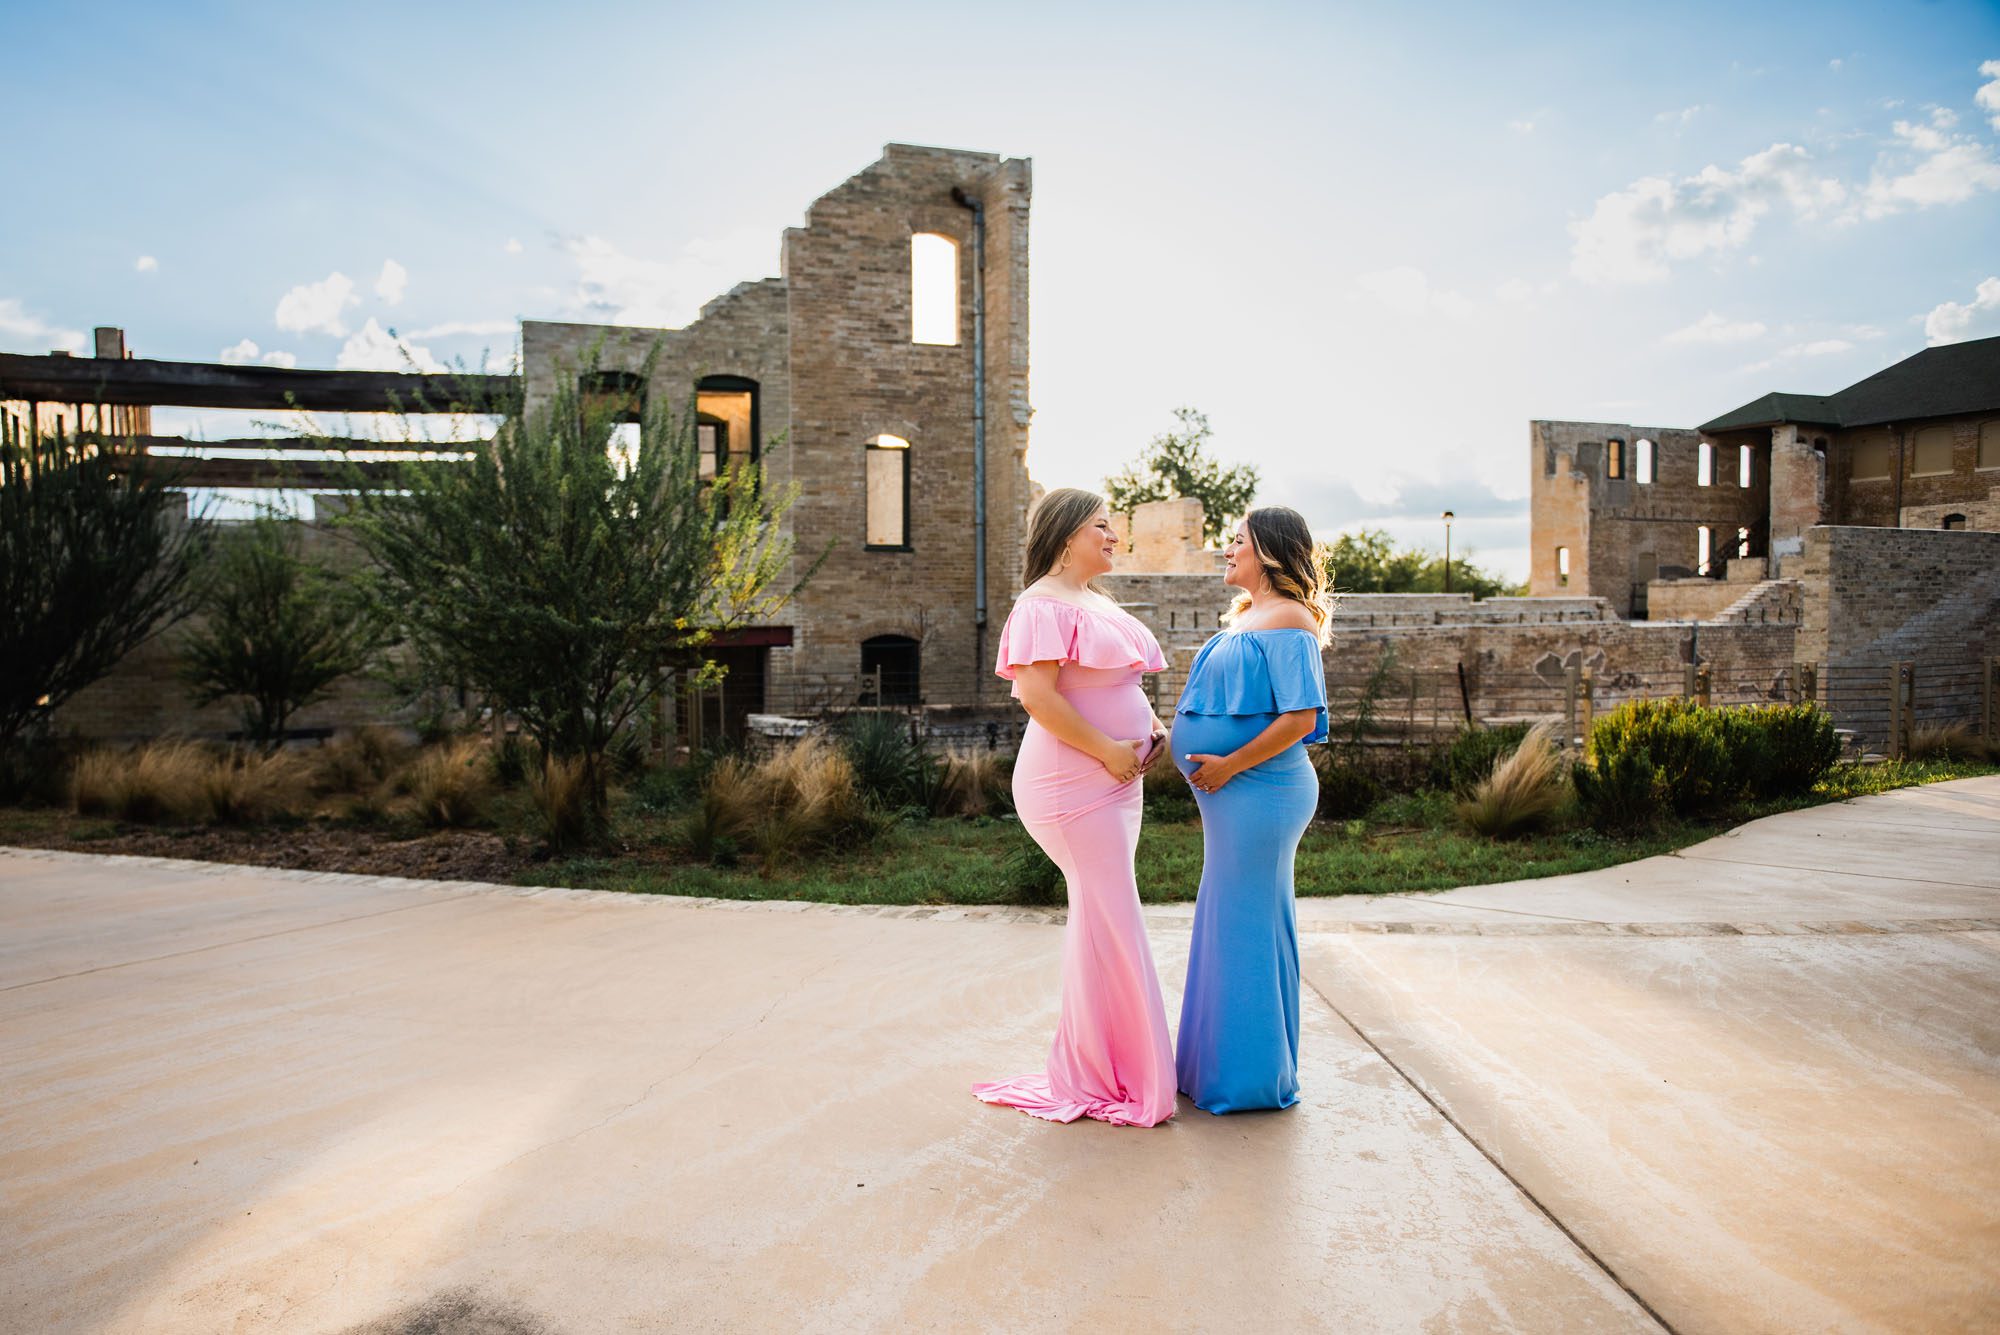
(1950, 450)
(871, 447)
(1614, 459)
(1982, 459)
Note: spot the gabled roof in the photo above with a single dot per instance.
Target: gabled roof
(1947, 381)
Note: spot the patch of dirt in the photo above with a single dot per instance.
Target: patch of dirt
(444, 855)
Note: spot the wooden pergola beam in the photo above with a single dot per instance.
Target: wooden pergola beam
(276, 474)
(88, 380)
(334, 443)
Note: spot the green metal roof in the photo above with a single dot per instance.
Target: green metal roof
(1947, 381)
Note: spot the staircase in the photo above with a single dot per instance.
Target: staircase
(1775, 602)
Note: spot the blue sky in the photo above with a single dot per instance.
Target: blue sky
(1371, 245)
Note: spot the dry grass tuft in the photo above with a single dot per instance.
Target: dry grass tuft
(1950, 741)
(799, 799)
(560, 791)
(450, 783)
(358, 761)
(1521, 793)
(185, 781)
(970, 783)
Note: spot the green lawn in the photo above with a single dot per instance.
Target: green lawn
(1406, 843)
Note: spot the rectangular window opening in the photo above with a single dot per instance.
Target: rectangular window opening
(1743, 458)
(1614, 458)
(1704, 465)
(888, 492)
(933, 289)
(1562, 566)
(1643, 465)
(1704, 550)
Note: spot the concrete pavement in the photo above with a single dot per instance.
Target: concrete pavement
(1755, 1086)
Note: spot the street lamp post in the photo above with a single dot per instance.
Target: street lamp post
(1447, 517)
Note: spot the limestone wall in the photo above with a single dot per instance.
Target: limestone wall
(1878, 595)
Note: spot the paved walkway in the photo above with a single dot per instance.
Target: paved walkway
(1754, 1086)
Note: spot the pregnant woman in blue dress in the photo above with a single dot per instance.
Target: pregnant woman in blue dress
(1254, 696)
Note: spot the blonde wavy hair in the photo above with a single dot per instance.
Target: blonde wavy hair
(1294, 563)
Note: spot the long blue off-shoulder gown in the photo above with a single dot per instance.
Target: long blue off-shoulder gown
(1238, 1046)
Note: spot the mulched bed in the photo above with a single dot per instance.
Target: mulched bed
(446, 855)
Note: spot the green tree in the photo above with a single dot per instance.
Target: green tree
(1175, 464)
(561, 575)
(95, 557)
(1370, 562)
(276, 631)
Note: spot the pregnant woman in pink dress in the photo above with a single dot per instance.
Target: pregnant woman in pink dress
(1076, 660)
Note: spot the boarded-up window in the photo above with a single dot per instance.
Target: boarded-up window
(1614, 458)
(1643, 464)
(1870, 460)
(1930, 450)
(1989, 444)
(933, 288)
(888, 492)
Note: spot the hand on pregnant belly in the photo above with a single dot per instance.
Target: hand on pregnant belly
(1210, 772)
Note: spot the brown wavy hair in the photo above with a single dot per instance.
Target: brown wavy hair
(1293, 562)
(1056, 519)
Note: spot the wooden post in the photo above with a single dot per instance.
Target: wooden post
(1805, 683)
(1464, 694)
(1989, 692)
(1902, 708)
(1701, 685)
(1572, 681)
(1586, 706)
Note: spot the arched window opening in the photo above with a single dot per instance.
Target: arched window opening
(888, 480)
(1704, 465)
(1614, 458)
(933, 289)
(1930, 450)
(1643, 463)
(1744, 457)
(1953, 522)
(899, 660)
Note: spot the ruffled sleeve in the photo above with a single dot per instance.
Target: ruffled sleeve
(1258, 672)
(1042, 630)
(1297, 675)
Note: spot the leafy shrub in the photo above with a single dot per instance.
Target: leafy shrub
(1619, 792)
(1682, 742)
(1031, 878)
(1522, 791)
(514, 760)
(560, 795)
(887, 762)
(450, 784)
(1345, 789)
(626, 755)
(1475, 752)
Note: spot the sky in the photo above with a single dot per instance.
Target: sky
(1370, 242)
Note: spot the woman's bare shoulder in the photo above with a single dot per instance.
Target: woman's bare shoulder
(1291, 615)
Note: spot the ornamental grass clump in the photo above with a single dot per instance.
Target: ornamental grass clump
(359, 760)
(160, 781)
(252, 787)
(803, 798)
(1476, 751)
(560, 795)
(1521, 793)
(1950, 741)
(449, 784)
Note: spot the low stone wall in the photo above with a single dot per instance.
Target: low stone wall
(1698, 599)
(1878, 595)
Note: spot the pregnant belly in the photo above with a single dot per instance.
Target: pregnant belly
(1220, 734)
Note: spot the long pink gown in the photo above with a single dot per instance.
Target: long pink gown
(1112, 1058)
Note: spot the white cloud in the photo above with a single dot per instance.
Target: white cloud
(316, 307)
(1514, 291)
(1635, 234)
(1682, 117)
(513, 246)
(374, 348)
(1834, 64)
(1987, 99)
(33, 334)
(617, 288)
(1713, 328)
(1521, 126)
(146, 264)
(389, 284)
(452, 328)
(1930, 165)
(1408, 292)
(245, 352)
(1953, 322)
(1819, 347)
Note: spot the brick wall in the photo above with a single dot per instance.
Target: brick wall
(1876, 595)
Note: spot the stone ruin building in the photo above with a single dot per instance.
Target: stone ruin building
(885, 371)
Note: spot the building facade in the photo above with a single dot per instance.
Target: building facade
(885, 372)
(1631, 514)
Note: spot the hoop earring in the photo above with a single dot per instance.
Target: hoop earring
(1065, 560)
